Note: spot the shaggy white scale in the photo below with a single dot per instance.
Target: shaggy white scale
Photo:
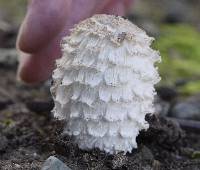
(104, 83)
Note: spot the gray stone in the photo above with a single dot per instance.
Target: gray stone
(187, 109)
(53, 163)
(8, 57)
(8, 34)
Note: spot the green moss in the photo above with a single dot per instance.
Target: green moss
(13, 10)
(179, 46)
(190, 88)
(196, 155)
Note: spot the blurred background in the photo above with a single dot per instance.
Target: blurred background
(175, 24)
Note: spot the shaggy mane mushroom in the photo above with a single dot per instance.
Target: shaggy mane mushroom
(104, 83)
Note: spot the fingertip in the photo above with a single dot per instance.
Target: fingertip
(24, 43)
(22, 81)
(25, 73)
(37, 67)
(31, 69)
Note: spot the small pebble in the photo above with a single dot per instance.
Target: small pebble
(8, 58)
(17, 166)
(187, 109)
(53, 163)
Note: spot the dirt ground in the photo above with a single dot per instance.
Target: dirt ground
(29, 135)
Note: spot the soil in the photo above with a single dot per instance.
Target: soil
(29, 135)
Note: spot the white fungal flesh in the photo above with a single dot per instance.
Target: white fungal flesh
(104, 83)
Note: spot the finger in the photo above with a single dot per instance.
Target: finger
(44, 20)
(37, 67)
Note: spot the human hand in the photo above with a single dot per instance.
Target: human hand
(45, 24)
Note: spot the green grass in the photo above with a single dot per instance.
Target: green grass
(190, 88)
(13, 10)
(179, 46)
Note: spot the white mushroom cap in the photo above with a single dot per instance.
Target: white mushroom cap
(104, 83)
